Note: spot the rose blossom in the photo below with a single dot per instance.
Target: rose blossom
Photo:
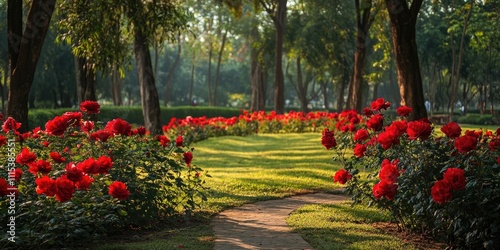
(375, 122)
(119, 190)
(385, 189)
(361, 135)
(455, 177)
(328, 139)
(119, 126)
(441, 192)
(56, 157)
(404, 110)
(465, 143)
(342, 176)
(90, 107)
(188, 157)
(359, 150)
(179, 141)
(418, 130)
(25, 157)
(389, 172)
(379, 104)
(452, 130)
(45, 185)
(57, 126)
(84, 183)
(64, 189)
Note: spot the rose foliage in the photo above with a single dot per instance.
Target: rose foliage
(445, 184)
(78, 180)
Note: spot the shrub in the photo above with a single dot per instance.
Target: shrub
(444, 186)
(77, 180)
(478, 119)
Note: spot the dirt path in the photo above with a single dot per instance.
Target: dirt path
(262, 225)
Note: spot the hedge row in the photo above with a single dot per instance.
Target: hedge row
(133, 114)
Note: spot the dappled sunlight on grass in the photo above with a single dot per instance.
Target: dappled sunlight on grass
(264, 166)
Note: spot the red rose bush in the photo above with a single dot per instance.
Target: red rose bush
(77, 180)
(445, 184)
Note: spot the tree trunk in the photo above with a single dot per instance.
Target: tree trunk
(403, 20)
(209, 75)
(192, 81)
(257, 80)
(116, 86)
(217, 71)
(85, 80)
(4, 88)
(363, 23)
(149, 95)
(301, 89)
(171, 71)
(279, 21)
(24, 51)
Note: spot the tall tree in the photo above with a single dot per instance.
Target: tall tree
(403, 18)
(277, 10)
(364, 20)
(24, 52)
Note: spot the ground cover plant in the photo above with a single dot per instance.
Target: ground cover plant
(445, 185)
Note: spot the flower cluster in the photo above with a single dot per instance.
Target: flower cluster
(90, 178)
(429, 181)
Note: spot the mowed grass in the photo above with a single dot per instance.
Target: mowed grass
(259, 167)
(343, 227)
(244, 170)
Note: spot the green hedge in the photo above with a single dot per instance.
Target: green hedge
(478, 119)
(133, 114)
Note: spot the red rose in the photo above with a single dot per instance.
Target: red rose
(389, 172)
(40, 166)
(56, 157)
(179, 141)
(101, 135)
(418, 130)
(455, 177)
(90, 107)
(375, 122)
(361, 135)
(474, 133)
(328, 139)
(494, 144)
(452, 130)
(441, 192)
(119, 190)
(84, 183)
(359, 150)
(342, 176)
(140, 131)
(64, 189)
(25, 157)
(379, 104)
(404, 110)
(389, 137)
(57, 126)
(46, 185)
(465, 143)
(16, 173)
(88, 166)
(103, 164)
(367, 112)
(119, 126)
(164, 141)
(11, 124)
(401, 126)
(87, 126)
(73, 173)
(385, 189)
(74, 118)
(4, 187)
(188, 157)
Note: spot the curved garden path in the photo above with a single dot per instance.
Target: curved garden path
(262, 225)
